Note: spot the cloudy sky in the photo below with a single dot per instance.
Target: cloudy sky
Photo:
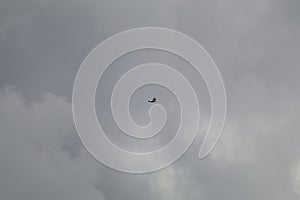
(255, 45)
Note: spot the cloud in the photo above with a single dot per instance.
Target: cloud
(296, 175)
(33, 162)
(254, 43)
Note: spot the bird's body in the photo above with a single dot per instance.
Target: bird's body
(153, 100)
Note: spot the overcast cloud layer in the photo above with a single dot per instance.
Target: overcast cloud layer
(255, 45)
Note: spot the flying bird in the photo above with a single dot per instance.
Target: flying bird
(153, 100)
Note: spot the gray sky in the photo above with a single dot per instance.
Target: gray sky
(255, 45)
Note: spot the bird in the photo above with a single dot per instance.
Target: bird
(153, 100)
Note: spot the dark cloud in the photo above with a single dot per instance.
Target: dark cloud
(254, 43)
